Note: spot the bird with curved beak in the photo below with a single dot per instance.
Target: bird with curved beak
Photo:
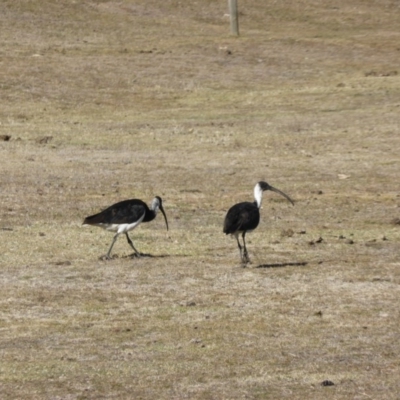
(125, 216)
(245, 217)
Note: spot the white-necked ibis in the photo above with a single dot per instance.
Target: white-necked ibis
(124, 216)
(245, 217)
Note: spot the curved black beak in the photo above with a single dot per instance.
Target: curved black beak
(165, 217)
(281, 193)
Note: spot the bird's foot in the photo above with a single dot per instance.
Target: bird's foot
(246, 257)
(245, 261)
(136, 255)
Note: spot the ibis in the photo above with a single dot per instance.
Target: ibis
(245, 217)
(124, 216)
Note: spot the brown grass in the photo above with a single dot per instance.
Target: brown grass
(109, 100)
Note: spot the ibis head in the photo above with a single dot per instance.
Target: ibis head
(262, 187)
(157, 205)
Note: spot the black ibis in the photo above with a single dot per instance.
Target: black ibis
(245, 217)
(124, 216)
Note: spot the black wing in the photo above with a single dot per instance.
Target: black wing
(124, 212)
(241, 217)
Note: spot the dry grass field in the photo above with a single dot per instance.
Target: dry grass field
(103, 101)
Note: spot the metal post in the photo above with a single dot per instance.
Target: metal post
(233, 12)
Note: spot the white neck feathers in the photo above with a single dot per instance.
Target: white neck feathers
(258, 193)
(155, 205)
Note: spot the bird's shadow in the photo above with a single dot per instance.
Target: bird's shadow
(148, 255)
(283, 265)
(142, 255)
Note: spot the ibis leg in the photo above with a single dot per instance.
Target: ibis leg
(131, 244)
(240, 247)
(112, 244)
(246, 258)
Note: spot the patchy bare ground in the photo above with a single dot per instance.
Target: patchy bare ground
(108, 100)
